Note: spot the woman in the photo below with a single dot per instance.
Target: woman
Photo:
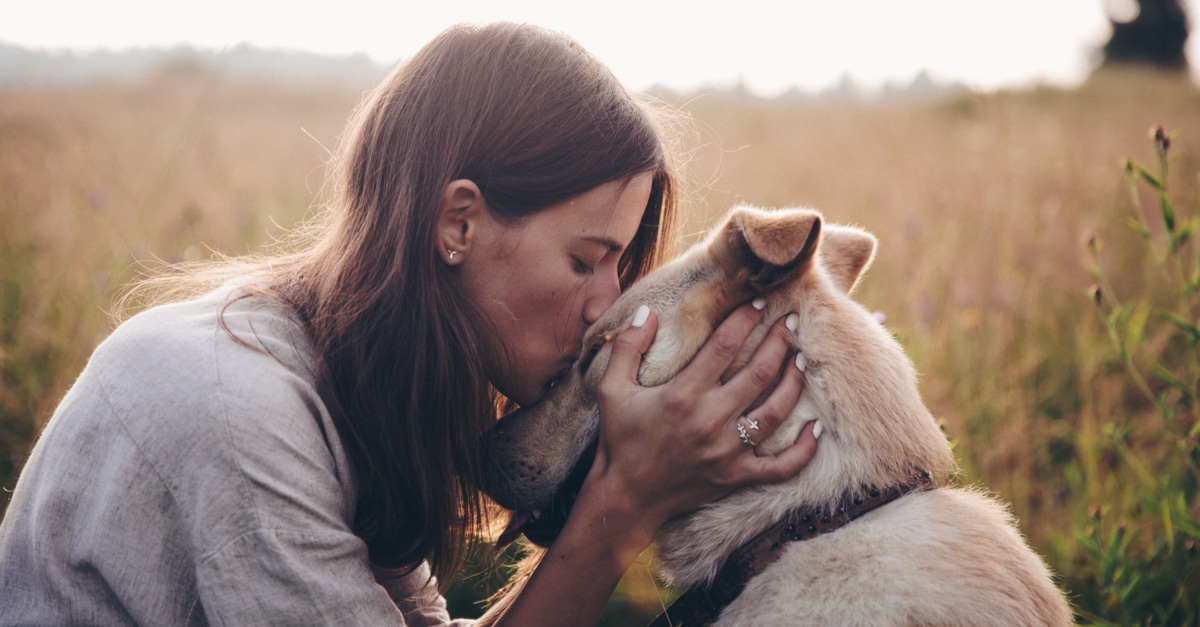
(296, 441)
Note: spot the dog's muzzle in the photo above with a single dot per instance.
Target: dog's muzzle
(542, 526)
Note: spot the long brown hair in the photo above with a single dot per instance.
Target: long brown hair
(533, 120)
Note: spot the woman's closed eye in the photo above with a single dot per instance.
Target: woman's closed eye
(581, 266)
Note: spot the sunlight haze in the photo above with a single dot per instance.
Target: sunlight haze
(767, 45)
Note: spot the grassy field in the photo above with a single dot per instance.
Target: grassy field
(995, 214)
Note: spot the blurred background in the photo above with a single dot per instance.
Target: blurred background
(1036, 256)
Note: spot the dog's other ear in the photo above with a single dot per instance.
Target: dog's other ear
(846, 252)
(778, 243)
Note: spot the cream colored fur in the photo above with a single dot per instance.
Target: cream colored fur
(946, 557)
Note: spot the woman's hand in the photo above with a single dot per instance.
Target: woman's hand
(663, 452)
(668, 450)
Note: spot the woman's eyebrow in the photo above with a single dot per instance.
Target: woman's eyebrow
(611, 244)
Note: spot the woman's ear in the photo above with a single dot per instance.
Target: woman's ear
(459, 214)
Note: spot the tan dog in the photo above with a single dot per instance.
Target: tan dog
(941, 556)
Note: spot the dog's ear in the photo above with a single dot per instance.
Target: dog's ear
(846, 252)
(777, 244)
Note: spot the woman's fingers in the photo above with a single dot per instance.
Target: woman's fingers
(719, 351)
(677, 444)
(762, 421)
(762, 371)
(705, 369)
(629, 346)
(785, 465)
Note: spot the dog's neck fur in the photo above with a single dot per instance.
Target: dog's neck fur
(863, 389)
(700, 605)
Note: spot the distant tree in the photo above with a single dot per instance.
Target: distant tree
(1155, 37)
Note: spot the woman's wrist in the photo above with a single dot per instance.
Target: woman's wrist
(571, 585)
(611, 516)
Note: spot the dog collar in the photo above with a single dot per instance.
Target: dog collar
(700, 605)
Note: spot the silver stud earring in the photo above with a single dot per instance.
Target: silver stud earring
(451, 254)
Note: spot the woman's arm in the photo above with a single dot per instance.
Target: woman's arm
(664, 451)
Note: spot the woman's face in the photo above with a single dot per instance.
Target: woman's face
(543, 281)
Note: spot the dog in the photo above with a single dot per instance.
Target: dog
(908, 551)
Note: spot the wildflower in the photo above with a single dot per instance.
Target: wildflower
(1162, 141)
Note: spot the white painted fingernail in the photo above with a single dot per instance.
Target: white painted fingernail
(792, 322)
(759, 303)
(641, 315)
(817, 429)
(801, 362)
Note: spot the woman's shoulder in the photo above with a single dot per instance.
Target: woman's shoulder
(186, 340)
(228, 374)
(227, 355)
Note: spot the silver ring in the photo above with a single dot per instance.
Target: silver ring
(746, 436)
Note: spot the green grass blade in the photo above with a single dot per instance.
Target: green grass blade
(1168, 213)
(1138, 227)
(1188, 329)
(1149, 177)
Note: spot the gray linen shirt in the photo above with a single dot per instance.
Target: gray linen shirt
(186, 479)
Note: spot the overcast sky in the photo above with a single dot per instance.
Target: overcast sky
(768, 44)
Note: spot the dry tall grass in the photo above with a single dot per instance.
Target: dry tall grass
(96, 181)
(981, 203)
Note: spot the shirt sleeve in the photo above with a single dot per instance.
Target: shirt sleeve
(287, 577)
(417, 597)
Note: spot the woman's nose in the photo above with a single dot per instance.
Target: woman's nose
(602, 296)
